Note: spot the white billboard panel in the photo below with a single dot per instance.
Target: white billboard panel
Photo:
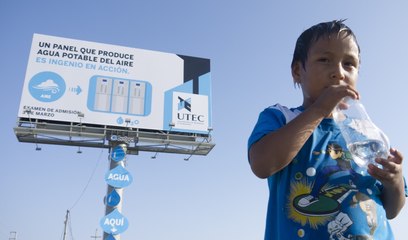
(116, 86)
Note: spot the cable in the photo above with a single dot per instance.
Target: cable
(89, 180)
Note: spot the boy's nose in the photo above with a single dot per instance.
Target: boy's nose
(337, 73)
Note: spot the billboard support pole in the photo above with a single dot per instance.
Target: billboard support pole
(113, 164)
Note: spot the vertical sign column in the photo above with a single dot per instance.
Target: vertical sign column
(117, 178)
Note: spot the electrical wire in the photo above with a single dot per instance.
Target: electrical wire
(80, 197)
(89, 180)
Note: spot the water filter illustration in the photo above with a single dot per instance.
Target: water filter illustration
(120, 95)
(103, 94)
(137, 98)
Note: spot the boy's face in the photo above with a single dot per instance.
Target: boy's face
(330, 61)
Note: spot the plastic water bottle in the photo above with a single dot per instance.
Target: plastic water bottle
(364, 139)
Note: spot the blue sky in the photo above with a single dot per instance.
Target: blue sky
(250, 44)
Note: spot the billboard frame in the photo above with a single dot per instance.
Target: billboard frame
(78, 134)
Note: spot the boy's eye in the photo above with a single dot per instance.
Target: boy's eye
(323, 60)
(350, 64)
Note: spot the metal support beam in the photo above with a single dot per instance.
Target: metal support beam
(78, 134)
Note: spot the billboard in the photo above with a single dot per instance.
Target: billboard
(70, 80)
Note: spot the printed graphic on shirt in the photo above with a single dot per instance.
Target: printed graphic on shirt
(319, 204)
(338, 226)
(316, 202)
(368, 206)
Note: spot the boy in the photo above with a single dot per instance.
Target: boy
(315, 192)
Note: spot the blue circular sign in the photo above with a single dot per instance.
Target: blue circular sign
(118, 177)
(118, 154)
(113, 199)
(47, 86)
(114, 223)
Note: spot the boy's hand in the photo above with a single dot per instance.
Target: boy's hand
(391, 174)
(393, 193)
(332, 95)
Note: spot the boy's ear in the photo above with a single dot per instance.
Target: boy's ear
(296, 68)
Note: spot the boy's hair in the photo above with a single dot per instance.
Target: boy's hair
(314, 33)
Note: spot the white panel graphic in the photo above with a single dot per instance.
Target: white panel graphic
(120, 96)
(103, 94)
(137, 98)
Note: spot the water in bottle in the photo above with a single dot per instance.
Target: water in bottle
(367, 151)
(364, 139)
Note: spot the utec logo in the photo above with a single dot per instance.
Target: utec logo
(187, 105)
(184, 104)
